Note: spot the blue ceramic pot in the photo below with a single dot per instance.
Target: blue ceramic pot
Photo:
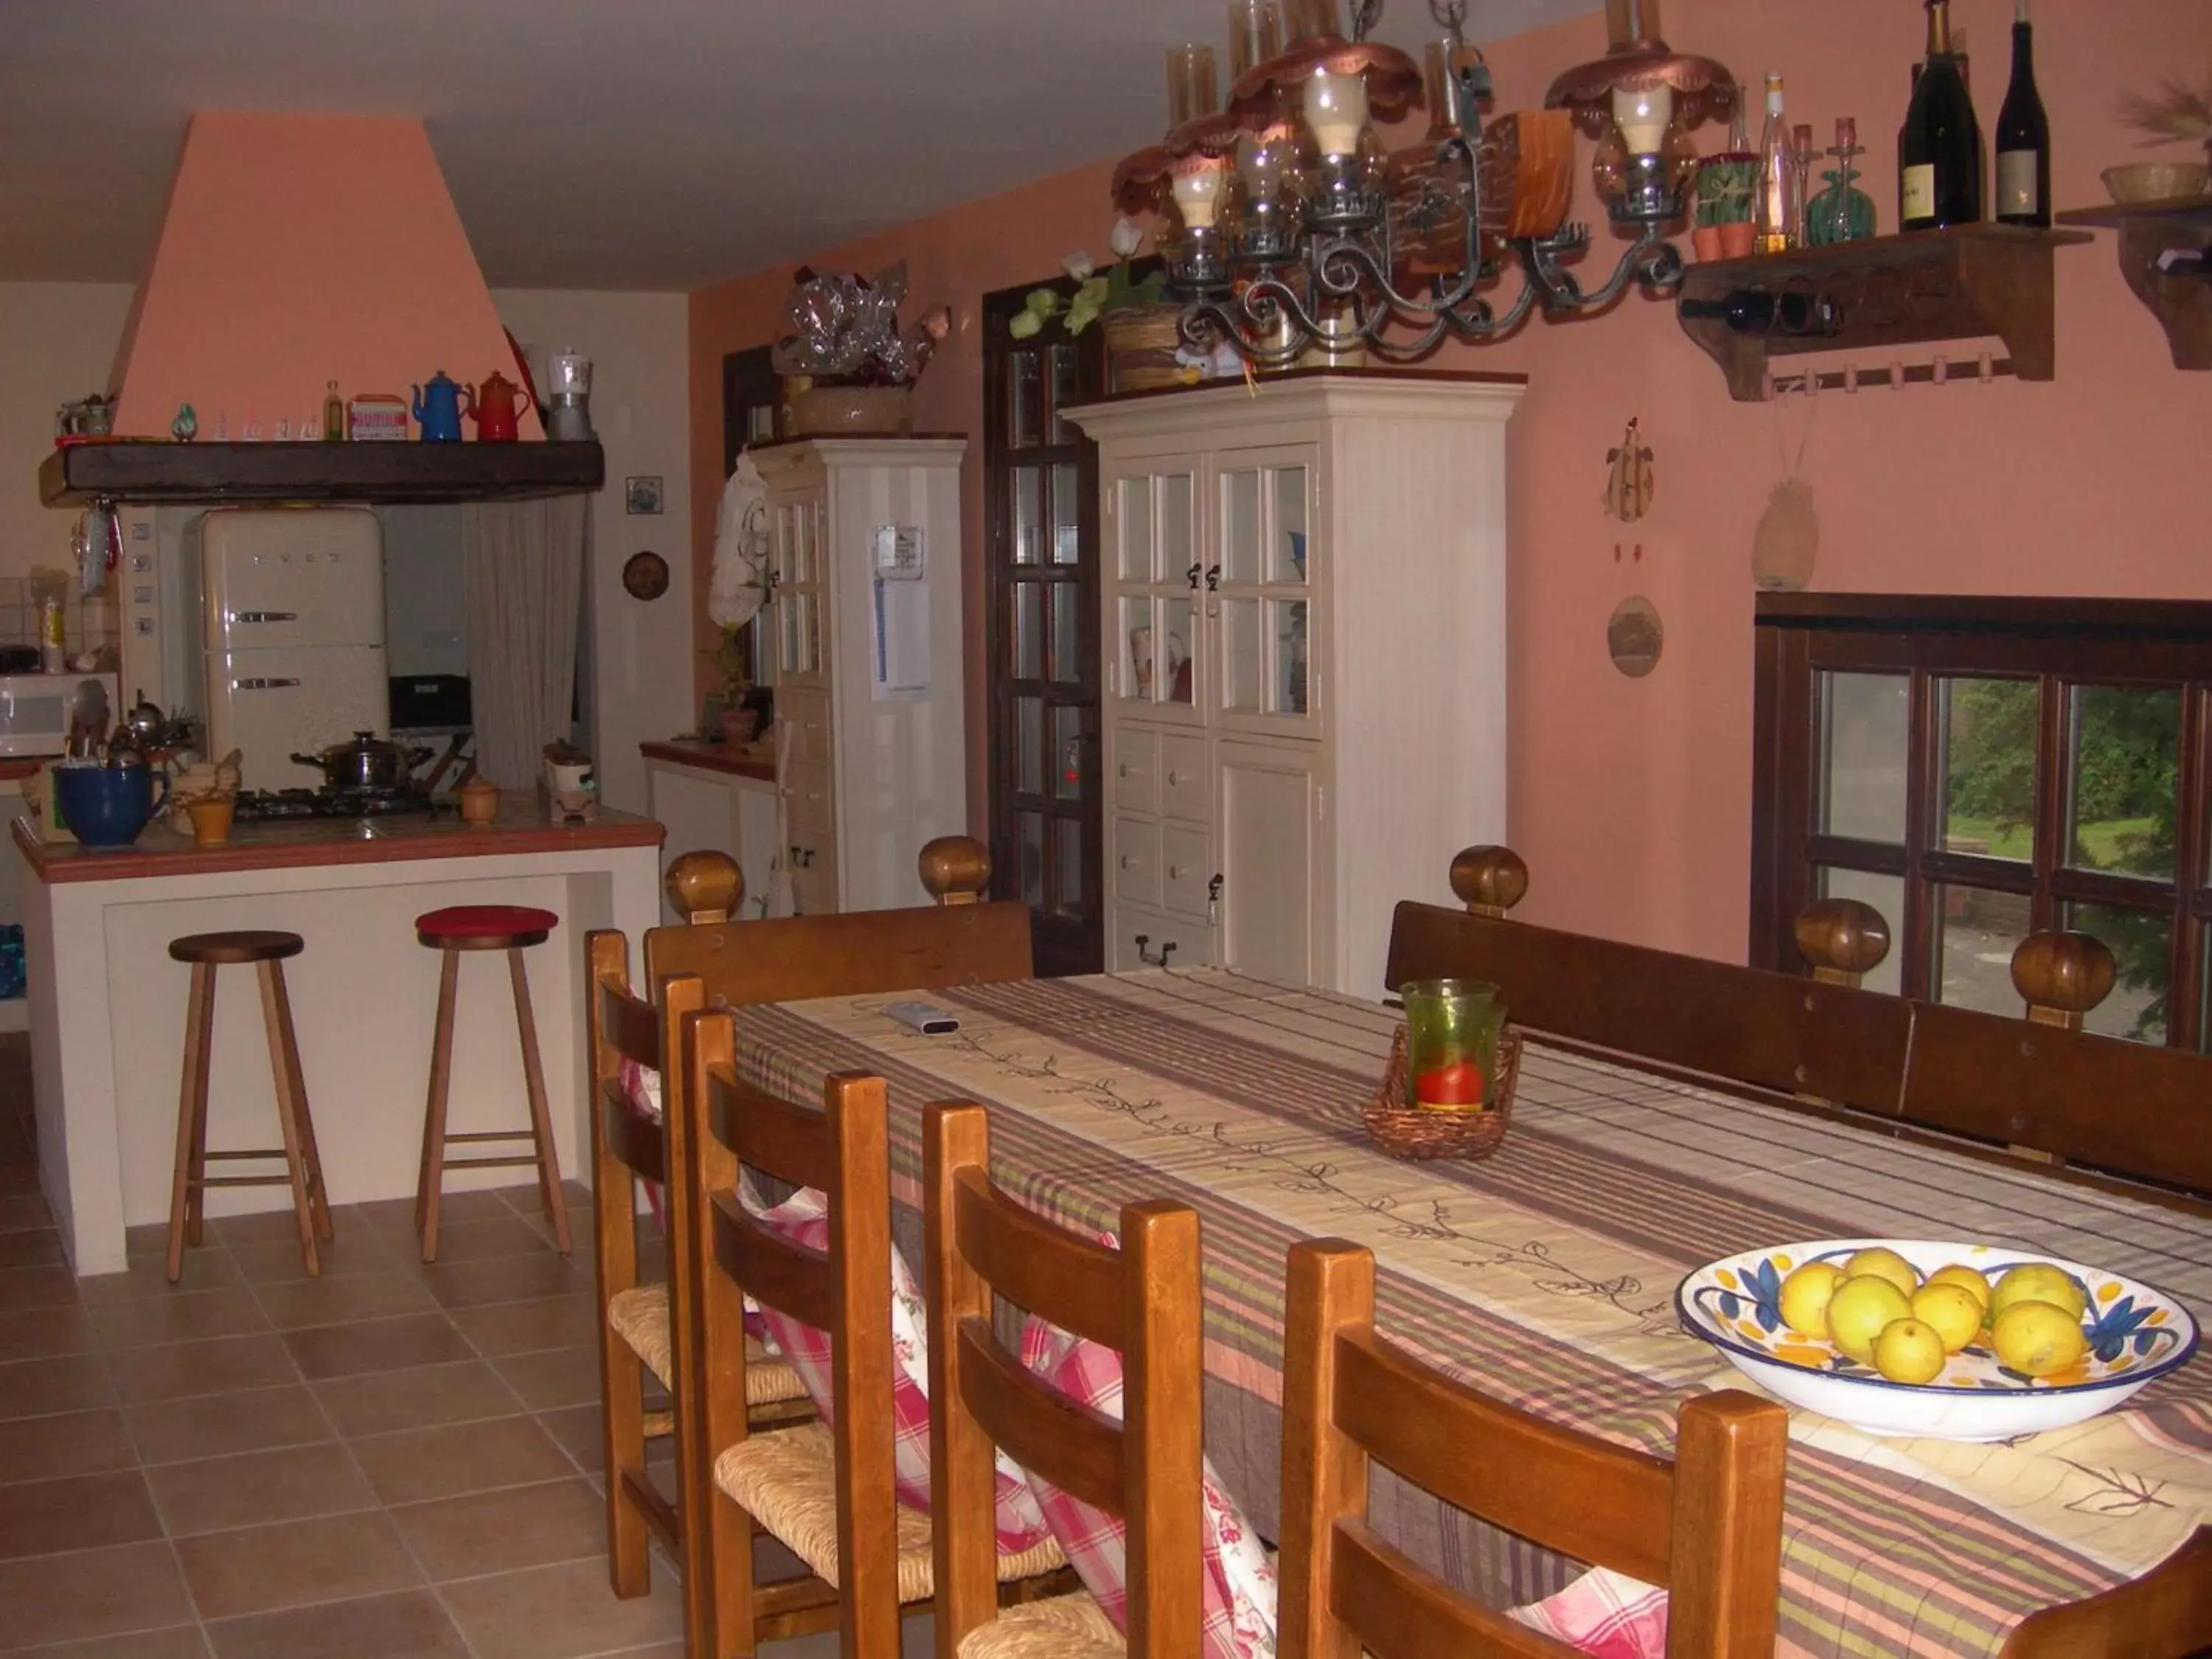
(107, 806)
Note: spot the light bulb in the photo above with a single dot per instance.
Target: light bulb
(1197, 186)
(1336, 110)
(1643, 113)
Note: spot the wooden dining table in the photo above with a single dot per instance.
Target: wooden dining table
(1545, 1275)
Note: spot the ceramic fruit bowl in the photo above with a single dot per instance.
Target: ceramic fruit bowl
(2137, 1331)
(2156, 181)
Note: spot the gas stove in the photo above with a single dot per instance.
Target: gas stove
(261, 805)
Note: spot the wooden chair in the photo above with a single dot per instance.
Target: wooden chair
(643, 1324)
(1142, 1300)
(2165, 1614)
(1708, 1526)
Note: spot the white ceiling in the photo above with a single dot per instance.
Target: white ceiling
(604, 143)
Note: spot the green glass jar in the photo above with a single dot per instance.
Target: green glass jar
(1839, 213)
(1452, 1027)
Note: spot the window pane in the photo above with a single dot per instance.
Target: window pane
(1029, 630)
(1287, 549)
(1134, 681)
(1064, 431)
(1240, 654)
(1067, 532)
(1028, 745)
(1976, 933)
(1030, 850)
(1067, 751)
(1029, 516)
(1067, 867)
(1886, 894)
(1989, 767)
(1066, 607)
(2127, 768)
(2138, 940)
(1136, 528)
(1177, 617)
(1025, 406)
(1865, 746)
(1175, 541)
(1286, 620)
(1240, 526)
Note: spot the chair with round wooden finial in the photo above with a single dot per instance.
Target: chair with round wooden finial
(2061, 977)
(1843, 939)
(1490, 881)
(956, 869)
(454, 932)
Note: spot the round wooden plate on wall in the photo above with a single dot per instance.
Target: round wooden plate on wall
(1633, 636)
(645, 576)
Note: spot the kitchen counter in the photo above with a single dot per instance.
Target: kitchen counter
(755, 761)
(721, 797)
(107, 1002)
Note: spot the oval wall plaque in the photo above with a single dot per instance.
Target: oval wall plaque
(645, 576)
(1633, 636)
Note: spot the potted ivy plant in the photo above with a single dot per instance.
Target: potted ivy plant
(1133, 313)
(728, 711)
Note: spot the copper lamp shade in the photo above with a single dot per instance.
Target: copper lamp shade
(1394, 80)
(1636, 60)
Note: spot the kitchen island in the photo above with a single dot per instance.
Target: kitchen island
(107, 1003)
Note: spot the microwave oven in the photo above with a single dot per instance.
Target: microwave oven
(35, 709)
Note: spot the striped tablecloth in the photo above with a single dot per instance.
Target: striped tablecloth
(1546, 1274)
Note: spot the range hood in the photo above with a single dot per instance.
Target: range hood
(297, 250)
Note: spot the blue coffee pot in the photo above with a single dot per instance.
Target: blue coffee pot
(438, 410)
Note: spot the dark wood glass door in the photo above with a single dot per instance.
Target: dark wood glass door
(1040, 508)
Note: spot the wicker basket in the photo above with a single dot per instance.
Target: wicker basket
(1408, 1132)
(1141, 341)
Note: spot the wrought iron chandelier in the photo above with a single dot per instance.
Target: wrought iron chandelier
(1286, 228)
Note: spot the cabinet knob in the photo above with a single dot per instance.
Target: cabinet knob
(1120, 769)
(1175, 872)
(1128, 862)
(1175, 778)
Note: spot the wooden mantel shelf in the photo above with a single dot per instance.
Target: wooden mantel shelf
(216, 473)
(2181, 301)
(1964, 284)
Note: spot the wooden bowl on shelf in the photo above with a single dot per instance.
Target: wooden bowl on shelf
(2156, 181)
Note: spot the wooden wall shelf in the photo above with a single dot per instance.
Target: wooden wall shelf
(213, 473)
(1931, 285)
(2182, 302)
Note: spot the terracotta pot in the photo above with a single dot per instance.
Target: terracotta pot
(479, 803)
(1140, 348)
(874, 411)
(1705, 241)
(740, 725)
(1735, 240)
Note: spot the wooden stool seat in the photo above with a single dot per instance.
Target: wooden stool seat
(266, 950)
(511, 928)
(252, 945)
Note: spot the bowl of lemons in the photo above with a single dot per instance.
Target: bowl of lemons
(1908, 1338)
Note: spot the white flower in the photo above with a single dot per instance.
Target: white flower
(1078, 266)
(1127, 236)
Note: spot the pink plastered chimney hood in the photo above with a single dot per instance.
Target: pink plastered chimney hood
(297, 250)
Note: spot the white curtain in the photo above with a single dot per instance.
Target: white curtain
(522, 566)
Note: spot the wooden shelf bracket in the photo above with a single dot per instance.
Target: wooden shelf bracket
(2181, 300)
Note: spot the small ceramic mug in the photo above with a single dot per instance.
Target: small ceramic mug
(210, 816)
(479, 803)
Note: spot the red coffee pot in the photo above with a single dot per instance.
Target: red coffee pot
(494, 407)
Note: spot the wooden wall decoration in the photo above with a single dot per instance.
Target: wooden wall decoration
(1634, 636)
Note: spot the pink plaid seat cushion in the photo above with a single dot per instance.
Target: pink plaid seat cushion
(1238, 1580)
(1606, 1614)
(641, 1088)
(803, 1219)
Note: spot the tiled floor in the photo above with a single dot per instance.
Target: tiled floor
(392, 1461)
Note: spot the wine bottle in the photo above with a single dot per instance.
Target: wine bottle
(1773, 212)
(2023, 136)
(1939, 181)
(1753, 311)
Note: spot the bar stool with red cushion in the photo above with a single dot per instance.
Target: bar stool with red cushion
(511, 928)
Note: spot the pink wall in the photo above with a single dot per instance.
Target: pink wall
(298, 249)
(1632, 798)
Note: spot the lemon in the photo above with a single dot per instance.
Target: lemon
(1857, 1311)
(2037, 1338)
(1805, 1296)
(1881, 1263)
(1908, 1351)
(1967, 1278)
(1950, 1310)
(2038, 1282)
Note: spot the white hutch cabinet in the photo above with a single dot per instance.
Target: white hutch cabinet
(1303, 603)
(863, 626)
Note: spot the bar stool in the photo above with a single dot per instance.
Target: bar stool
(511, 928)
(303, 1164)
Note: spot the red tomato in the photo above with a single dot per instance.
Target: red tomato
(1458, 1084)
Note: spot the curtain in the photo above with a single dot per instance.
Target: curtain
(522, 565)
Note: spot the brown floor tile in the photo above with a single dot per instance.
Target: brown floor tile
(388, 1401)
(580, 1434)
(511, 1327)
(505, 1234)
(393, 1219)
(36, 1287)
(261, 1569)
(83, 1512)
(183, 1642)
(296, 1304)
(502, 1531)
(262, 1226)
(40, 1248)
(78, 1442)
(278, 1263)
(560, 1376)
(147, 1238)
(561, 1612)
(376, 1345)
(224, 1365)
(93, 1593)
(407, 1626)
(225, 1424)
(218, 1494)
(507, 1278)
(24, 1214)
(158, 1321)
(207, 1268)
(42, 1333)
(35, 1388)
(423, 1464)
(19, 1178)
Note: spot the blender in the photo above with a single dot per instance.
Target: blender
(568, 396)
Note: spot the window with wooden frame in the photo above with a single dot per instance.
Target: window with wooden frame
(1977, 769)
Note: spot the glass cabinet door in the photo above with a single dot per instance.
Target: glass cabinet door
(799, 592)
(1152, 632)
(1259, 592)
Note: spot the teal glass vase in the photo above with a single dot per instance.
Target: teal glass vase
(1839, 213)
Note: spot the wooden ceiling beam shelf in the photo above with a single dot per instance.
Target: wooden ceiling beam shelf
(1965, 283)
(209, 474)
(2181, 300)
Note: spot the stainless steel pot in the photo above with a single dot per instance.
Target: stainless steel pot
(367, 762)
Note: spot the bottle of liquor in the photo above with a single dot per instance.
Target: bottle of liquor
(1774, 207)
(2023, 136)
(1939, 180)
(1753, 311)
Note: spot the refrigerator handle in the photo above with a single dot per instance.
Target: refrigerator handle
(260, 685)
(264, 616)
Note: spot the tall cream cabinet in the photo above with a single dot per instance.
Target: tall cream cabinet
(864, 628)
(1303, 605)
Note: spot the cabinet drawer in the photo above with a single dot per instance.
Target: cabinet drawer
(1137, 938)
(806, 800)
(1184, 869)
(1182, 779)
(803, 718)
(814, 887)
(1137, 860)
(1136, 771)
